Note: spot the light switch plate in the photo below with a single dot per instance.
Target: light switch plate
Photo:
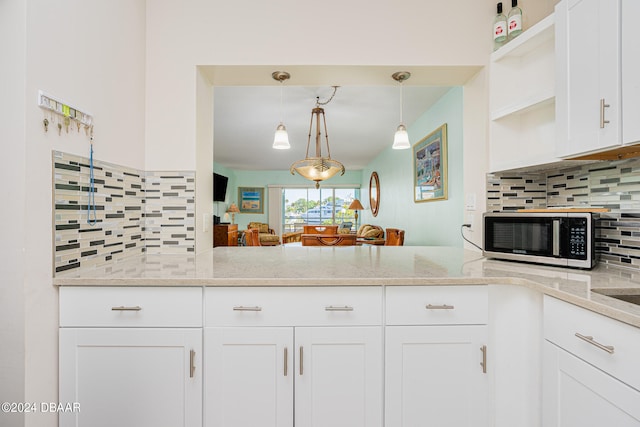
(470, 202)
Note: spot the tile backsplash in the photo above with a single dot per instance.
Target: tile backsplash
(135, 212)
(609, 184)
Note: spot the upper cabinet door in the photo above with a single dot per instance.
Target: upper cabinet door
(587, 76)
(630, 72)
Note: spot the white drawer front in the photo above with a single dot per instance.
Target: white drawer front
(293, 306)
(436, 305)
(562, 321)
(130, 307)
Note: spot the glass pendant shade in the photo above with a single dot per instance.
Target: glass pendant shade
(317, 168)
(401, 139)
(281, 138)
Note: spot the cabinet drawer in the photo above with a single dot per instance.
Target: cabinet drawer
(293, 306)
(130, 307)
(562, 321)
(436, 305)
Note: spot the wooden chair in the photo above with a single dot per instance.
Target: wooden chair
(328, 239)
(252, 238)
(395, 237)
(320, 229)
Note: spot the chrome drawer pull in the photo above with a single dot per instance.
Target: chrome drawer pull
(301, 360)
(243, 308)
(439, 307)
(192, 363)
(286, 361)
(603, 105)
(608, 348)
(483, 349)
(333, 308)
(123, 308)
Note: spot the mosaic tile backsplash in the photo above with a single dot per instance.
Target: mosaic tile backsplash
(135, 212)
(611, 184)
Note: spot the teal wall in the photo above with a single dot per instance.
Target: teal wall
(242, 178)
(435, 223)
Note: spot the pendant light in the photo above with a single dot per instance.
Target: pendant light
(281, 138)
(318, 168)
(401, 137)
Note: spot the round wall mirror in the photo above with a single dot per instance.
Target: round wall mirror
(374, 193)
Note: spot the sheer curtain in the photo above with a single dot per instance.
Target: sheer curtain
(275, 209)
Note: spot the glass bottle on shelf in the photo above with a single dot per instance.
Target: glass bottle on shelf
(514, 20)
(499, 28)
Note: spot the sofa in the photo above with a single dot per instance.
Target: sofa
(266, 235)
(369, 231)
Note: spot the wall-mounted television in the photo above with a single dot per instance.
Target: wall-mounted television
(219, 187)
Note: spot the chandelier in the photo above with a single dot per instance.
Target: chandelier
(318, 168)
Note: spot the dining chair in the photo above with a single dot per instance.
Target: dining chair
(251, 237)
(395, 237)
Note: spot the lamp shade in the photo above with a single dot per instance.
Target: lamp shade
(401, 139)
(281, 138)
(233, 208)
(356, 205)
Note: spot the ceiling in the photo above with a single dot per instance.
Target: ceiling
(361, 118)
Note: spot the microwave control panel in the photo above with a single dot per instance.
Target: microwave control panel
(578, 238)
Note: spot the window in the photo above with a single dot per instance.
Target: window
(317, 206)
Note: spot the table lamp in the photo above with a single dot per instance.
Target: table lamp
(233, 209)
(356, 206)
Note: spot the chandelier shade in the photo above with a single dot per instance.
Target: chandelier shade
(317, 168)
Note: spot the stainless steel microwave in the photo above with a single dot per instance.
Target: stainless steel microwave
(556, 238)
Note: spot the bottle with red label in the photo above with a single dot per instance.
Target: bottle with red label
(514, 20)
(499, 28)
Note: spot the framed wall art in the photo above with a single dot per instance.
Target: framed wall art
(430, 166)
(251, 200)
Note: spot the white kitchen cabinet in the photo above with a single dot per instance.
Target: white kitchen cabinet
(131, 377)
(577, 394)
(436, 356)
(249, 377)
(262, 345)
(630, 72)
(435, 377)
(590, 374)
(134, 369)
(598, 93)
(522, 100)
(338, 377)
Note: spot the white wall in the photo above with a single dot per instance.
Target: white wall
(92, 55)
(12, 226)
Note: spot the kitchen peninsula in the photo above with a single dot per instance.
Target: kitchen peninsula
(357, 333)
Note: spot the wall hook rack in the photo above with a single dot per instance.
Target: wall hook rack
(57, 106)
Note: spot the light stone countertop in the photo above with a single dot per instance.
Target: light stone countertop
(361, 266)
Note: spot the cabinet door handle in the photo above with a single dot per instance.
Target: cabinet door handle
(439, 307)
(602, 107)
(243, 308)
(301, 359)
(192, 363)
(483, 349)
(608, 348)
(286, 361)
(123, 308)
(334, 308)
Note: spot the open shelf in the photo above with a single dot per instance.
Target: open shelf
(528, 41)
(523, 106)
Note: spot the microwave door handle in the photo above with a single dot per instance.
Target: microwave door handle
(556, 237)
